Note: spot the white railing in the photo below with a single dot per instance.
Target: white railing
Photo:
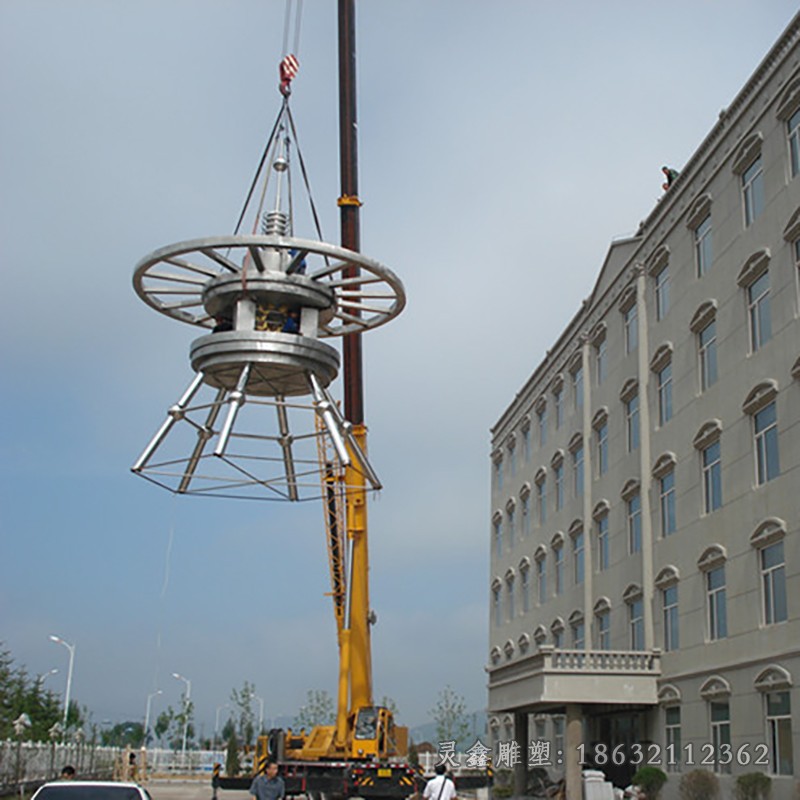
(608, 661)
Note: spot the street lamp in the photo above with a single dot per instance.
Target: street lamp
(147, 714)
(71, 648)
(260, 713)
(46, 675)
(216, 722)
(186, 698)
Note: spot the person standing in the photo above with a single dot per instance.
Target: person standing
(268, 786)
(440, 787)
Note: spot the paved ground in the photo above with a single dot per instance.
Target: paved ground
(190, 790)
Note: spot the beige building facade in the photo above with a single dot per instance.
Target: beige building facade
(645, 490)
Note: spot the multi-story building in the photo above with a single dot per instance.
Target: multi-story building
(645, 529)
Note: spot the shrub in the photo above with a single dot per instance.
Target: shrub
(753, 786)
(650, 780)
(699, 784)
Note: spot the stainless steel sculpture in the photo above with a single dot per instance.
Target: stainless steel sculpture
(257, 420)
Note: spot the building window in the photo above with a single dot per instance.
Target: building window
(497, 605)
(541, 422)
(779, 732)
(721, 735)
(753, 191)
(578, 635)
(578, 556)
(558, 555)
(525, 585)
(558, 472)
(510, 527)
(717, 605)
(758, 312)
(632, 422)
(662, 293)
(541, 580)
(577, 388)
(793, 132)
(766, 444)
(603, 549)
(631, 329)
(601, 360)
(510, 597)
(558, 637)
(636, 623)
(634, 512)
(664, 388)
(669, 600)
(703, 247)
(498, 536)
(712, 477)
(603, 630)
(526, 516)
(541, 500)
(512, 461)
(558, 734)
(707, 352)
(666, 492)
(602, 448)
(672, 729)
(577, 470)
(526, 444)
(558, 397)
(773, 582)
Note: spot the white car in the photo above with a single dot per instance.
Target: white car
(91, 790)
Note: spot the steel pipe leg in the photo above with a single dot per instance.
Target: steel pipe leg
(235, 402)
(175, 413)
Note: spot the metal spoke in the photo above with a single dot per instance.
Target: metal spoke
(226, 263)
(188, 265)
(176, 278)
(159, 290)
(257, 256)
(355, 281)
(184, 304)
(368, 295)
(362, 307)
(331, 268)
(351, 318)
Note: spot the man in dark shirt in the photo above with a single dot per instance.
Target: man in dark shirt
(268, 786)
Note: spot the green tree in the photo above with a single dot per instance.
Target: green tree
(450, 716)
(21, 694)
(123, 734)
(243, 700)
(388, 702)
(232, 766)
(227, 729)
(318, 710)
(163, 724)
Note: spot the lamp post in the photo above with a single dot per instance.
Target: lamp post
(186, 699)
(71, 648)
(147, 715)
(216, 722)
(260, 713)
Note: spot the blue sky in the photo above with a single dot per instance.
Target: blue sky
(502, 145)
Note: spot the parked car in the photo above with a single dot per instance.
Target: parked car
(91, 790)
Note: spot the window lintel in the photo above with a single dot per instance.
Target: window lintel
(748, 152)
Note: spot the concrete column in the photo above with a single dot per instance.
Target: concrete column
(521, 737)
(574, 738)
(644, 458)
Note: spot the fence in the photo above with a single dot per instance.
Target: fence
(35, 762)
